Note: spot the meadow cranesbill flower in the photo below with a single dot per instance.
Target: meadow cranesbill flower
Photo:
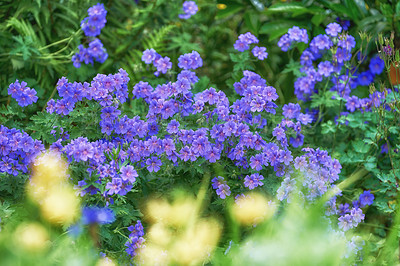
(23, 95)
(295, 34)
(128, 173)
(260, 52)
(345, 222)
(153, 164)
(366, 198)
(291, 110)
(365, 78)
(325, 68)
(136, 239)
(253, 181)
(376, 65)
(333, 29)
(189, 8)
(163, 64)
(244, 40)
(114, 186)
(149, 55)
(190, 61)
(93, 24)
(347, 42)
(223, 191)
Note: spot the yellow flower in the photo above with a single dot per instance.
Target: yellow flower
(61, 206)
(221, 6)
(32, 237)
(252, 209)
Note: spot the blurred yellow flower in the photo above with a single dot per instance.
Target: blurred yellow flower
(252, 209)
(221, 6)
(32, 237)
(177, 234)
(61, 206)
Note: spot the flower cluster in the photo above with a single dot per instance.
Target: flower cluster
(190, 61)
(95, 52)
(295, 34)
(341, 80)
(163, 64)
(318, 171)
(189, 9)
(245, 40)
(22, 94)
(107, 90)
(222, 188)
(96, 20)
(92, 26)
(350, 218)
(136, 239)
(17, 150)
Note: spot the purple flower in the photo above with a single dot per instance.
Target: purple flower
(163, 64)
(284, 42)
(128, 173)
(365, 78)
(253, 181)
(260, 52)
(357, 215)
(173, 127)
(297, 141)
(344, 23)
(23, 95)
(366, 198)
(333, 29)
(153, 164)
(352, 103)
(376, 65)
(304, 118)
(213, 154)
(189, 8)
(257, 162)
(216, 181)
(114, 187)
(291, 110)
(347, 42)
(322, 42)
(149, 55)
(345, 222)
(325, 68)
(241, 46)
(279, 133)
(223, 191)
(248, 38)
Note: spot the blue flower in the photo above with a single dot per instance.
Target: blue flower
(366, 198)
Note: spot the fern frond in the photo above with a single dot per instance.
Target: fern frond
(156, 39)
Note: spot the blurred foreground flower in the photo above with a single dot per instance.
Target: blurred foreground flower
(177, 234)
(49, 188)
(32, 237)
(252, 209)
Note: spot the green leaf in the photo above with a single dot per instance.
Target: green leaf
(398, 9)
(230, 9)
(318, 18)
(360, 146)
(328, 127)
(286, 7)
(293, 66)
(277, 28)
(252, 21)
(340, 9)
